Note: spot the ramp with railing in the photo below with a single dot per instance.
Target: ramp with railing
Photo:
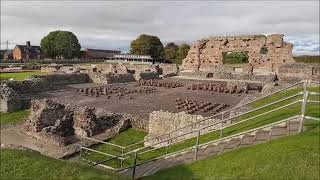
(265, 121)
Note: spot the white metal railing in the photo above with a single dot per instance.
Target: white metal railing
(142, 150)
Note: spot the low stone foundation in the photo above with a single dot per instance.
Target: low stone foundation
(299, 71)
(60, 124)
(162, 122)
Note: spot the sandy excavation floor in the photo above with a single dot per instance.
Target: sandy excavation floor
(141, 104)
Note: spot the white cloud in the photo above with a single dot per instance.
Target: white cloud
(111, 24)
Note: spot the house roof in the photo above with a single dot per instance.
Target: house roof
(29, 49)
(100, 53)
(102, 50)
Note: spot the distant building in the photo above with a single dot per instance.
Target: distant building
(26, 52)
(98, 54)
(145, 59)
(7, 55)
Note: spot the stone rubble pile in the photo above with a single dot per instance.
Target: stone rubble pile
(160, 83)
(222, 88)
(192, 106)
(60, 122)
(116, 91)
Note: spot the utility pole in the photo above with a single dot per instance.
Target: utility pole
(7, 44)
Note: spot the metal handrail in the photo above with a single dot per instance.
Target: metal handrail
(99, 152)
(103, 142)
(190, 132)
(221, 121)
(136, 151)
(210, 118)
(215, 123)
(211, 142)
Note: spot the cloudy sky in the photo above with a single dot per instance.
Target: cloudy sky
(112, 25)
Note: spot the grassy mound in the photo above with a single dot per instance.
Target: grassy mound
(293, 157)
(19, 164)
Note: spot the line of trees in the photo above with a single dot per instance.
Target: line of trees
(151, 45)
(64, 44)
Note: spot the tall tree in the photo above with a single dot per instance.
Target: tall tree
(58, 44)
(147, 45)
(171, 51)
(182, 52)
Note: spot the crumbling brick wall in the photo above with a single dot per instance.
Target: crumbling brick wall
(58, 122)
(207, 54)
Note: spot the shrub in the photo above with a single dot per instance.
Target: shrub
(235, 58)
(264, 50)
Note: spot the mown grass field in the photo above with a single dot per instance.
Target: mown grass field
(307, 59)
(19, 76)
(13, 117)
(20, 164)
(293, 157)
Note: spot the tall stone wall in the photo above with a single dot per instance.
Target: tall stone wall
(207, 54)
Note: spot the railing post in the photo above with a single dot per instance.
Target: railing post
(221, 129)
(135, 163)
(196, 148)
(167, 146)
(303, 105)
(121, 162)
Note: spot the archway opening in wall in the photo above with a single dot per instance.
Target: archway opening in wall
(235, 57)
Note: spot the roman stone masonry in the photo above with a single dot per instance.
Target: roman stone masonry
(264, 52)
(299, 71)
(161, 122)
(10, 100)
(61, 124)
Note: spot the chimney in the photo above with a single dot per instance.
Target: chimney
(28, 43)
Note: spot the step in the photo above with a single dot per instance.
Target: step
(232, 144)
(156, 167)
(261, 136)
(181, 159)
(247, 140)
(278, 131)
(293, 127)
(207, 151)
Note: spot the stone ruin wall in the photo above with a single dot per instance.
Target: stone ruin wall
(59, 123)
(207, 54)
(11, 91)
(161, 122)
(299, 71)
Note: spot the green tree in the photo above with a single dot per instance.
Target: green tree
(171, 51)
(61, 44)
(147, 45)
(182, 53)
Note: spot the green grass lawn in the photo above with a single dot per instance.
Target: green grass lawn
(312, 109)
(19, 164)
(19, 76)
(13, 117)
(293, 157)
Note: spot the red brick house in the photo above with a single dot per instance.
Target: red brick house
(26, 52)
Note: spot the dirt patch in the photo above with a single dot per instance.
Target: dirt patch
(140, 104)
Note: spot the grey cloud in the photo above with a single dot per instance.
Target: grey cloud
(113, 24)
